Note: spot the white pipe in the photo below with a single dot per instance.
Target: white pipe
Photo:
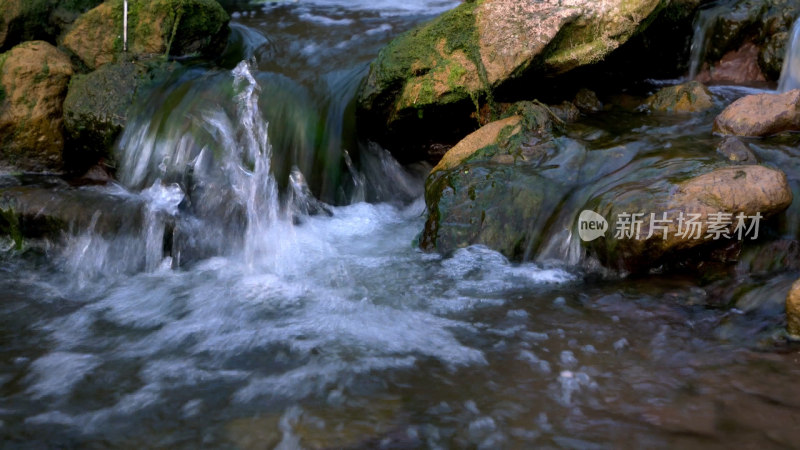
(125, 27)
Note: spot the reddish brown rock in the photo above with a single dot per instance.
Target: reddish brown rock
(761, 115)
(737, 67)
(34, 78)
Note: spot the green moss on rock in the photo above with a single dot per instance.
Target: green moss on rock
(155, 27)
(96, 107)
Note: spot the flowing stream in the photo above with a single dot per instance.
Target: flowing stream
(271, 293)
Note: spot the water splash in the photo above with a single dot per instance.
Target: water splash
(256, 187)
(790, 74)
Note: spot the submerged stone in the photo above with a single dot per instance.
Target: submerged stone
(51, 209)
(734, 150)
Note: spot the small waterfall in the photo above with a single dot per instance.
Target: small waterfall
(204, 173)
(790, 73)
(702, 23)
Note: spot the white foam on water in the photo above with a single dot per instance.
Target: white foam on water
(324, 20)
(56, 374)
(389, 7)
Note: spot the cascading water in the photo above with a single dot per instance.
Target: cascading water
(702, 23)
(790, 73)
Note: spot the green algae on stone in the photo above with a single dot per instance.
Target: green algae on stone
(96, 106)
(456, 62)
(158, 27)
(688, 97)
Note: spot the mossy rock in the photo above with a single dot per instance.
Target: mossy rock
(34, 77)
(465, 55)
(24, 20)
(499, 186)
(688, 97)
(96, 107)
(157, 27)
(500, 205)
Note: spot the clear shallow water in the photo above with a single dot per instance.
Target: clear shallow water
(346, 336)
(336, 332)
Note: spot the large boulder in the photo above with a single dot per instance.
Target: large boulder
(466, 53)
(760, 115)
(736, 151)
(96, 107)
(33, 81)
(156, 27)
(683, 98)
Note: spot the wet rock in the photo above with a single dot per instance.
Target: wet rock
(734, 150)
(566, 111)
(49, 209)
(491, 187)
(736, 23)
(587, 102)
(749, 190)
(499, 204)
(505, 134)
(159, 27)
(484, 137)
(736, 67)
(96, 106)
(771, 55)
(683, 98)
(751, 32)
(33, 83)
(778, 19)
(65, 13)
(769, 258)
(471, 50)
(760, 115)
(793, 310)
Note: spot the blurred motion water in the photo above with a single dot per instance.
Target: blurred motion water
(790, 73)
